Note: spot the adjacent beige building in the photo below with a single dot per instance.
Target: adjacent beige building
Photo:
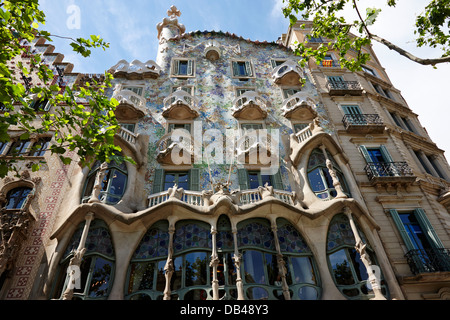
(247, 185)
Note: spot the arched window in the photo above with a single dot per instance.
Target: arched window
(302, 276)
(319, 176)
(259, 268)
(346, 266)
(113, 183)
(17, 197)
(146, 280)
(226, 270)
(191, 251)
(97, 265)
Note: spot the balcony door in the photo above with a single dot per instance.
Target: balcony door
(426, 252)
(379, 160)
(353, 114)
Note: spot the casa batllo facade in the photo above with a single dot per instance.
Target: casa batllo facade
(247, 185)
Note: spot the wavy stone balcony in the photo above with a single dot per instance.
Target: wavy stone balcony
(175, 150)
(131, 105)
(136, 70)
(180, 105)
(208, 198)
(342, 88)
(299, 106)
(288, 73)
(250, 106)
(363, 123)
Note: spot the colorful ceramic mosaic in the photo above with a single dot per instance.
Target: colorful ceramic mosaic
(215, 88)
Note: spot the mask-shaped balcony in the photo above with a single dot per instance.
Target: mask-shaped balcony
(299, 139)
(363, 123)
(136, 70)
(299, 106)
(250, 106)
(255, 147)
(288, 73)
(174, 149)
(180, 105)
(131, 105)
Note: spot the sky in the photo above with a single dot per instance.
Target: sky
(130, 28)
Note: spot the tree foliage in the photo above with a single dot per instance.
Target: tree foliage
(431, 29)
(82, 119)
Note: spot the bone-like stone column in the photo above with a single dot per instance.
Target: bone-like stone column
(360, 246)
(73, 270)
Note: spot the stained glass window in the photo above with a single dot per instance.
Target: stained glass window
(97, 265)
(255, 233)
(191, 235)
(346, 266)
(155, 242)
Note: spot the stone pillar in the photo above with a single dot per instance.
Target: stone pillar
(237, 263)
(98, 183)
(336, 184)
(214, 264)
(280, 261)
(169, 268)
(74, 265)
(361, 248)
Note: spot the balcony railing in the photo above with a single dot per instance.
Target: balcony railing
(367, 123)
(250, 100)
(344, 87)
(180, 99)
(287, 73)
(388, 169)
(428, 260)
(197, 198)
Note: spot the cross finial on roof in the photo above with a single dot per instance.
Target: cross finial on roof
(173, 12)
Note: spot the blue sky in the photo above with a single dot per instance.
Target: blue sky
(130, 28)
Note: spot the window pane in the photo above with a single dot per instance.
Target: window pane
(272, 269)
(169, 181)
(308, 293)
(183, 181)
(303, 272)
(257, 293)
(254, 267)
(253, 180)
(315, 180)
(17, 197)
(177, 275)
(141, 276)
(341, 268)
(197, 294)
(358, 265)
(241, 68)
(101, 277)
(265, 179)
(117, 186)
(160, 278)
(183, 68)
(196, 269)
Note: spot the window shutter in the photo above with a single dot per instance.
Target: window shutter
(248, 68)
(158, 181)
(235, 68)
(349, 109)
(365, 154)
(428, 228)
(194, 179)
(401, 228)
(277, 181)
(386, 153)
(243, 179)
(47, 106)
(175, 66)
(190, 68)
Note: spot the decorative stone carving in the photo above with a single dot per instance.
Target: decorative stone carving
(172, 20)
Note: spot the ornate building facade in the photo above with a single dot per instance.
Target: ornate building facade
(247, 185)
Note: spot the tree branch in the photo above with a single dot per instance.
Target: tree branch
(408, 55)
